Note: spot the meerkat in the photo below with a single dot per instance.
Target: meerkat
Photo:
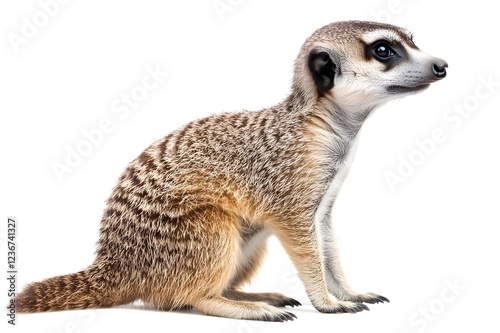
(186, 225)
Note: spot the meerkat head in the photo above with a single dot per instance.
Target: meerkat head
(360, 65)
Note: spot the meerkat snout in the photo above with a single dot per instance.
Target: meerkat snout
(439, 68)
(187, 224)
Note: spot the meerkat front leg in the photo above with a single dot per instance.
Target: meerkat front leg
(334, 275)
(300, 242)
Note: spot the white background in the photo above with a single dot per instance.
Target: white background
(408, 243)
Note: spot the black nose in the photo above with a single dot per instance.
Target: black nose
(439, 69)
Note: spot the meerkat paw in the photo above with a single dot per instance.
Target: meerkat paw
(280, 300)
(223, 307)
(274, 299)
(275, 315)
(342, 307)
(371, 298)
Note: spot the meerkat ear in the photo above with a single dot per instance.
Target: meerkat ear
(322, 68)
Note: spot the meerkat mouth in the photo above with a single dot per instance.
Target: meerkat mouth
(396, 89)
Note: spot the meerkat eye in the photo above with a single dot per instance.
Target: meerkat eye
(383, 51)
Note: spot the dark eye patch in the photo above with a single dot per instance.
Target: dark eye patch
(383, 51)
(390, 53)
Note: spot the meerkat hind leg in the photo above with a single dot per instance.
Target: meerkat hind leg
(217, 261)
(254, 249)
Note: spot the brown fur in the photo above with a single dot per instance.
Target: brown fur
(182, 226)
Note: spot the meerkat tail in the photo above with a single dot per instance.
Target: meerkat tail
(79, 290)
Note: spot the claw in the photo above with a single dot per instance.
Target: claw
(290, 302)
(373, 299)
(383, 299)
(341, 309)
(379, 299)
(363, 306)
(281, 317)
